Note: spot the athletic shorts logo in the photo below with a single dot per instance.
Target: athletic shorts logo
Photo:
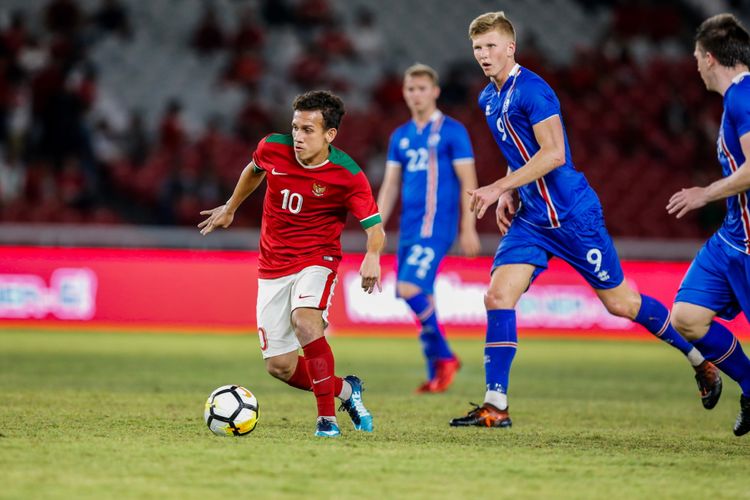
(304, 296)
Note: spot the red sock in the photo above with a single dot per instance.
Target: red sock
(320, 366)
(300, 379)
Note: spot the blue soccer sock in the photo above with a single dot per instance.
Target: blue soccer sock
(434, 344)
(499, 350)
(723, 349)
(654, 317)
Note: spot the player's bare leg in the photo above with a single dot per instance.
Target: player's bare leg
(284, 366)
(507, 285)
(625, 302)
(442, 364)
(309, 327)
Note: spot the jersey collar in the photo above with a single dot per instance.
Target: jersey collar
(314, 166)
(511, 74)
(433, 117)
(738, 78)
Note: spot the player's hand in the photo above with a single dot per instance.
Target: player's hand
(686, 200)
(217, 217)
(370, 273)
(482, 198)
(506, 210)
(469, 241)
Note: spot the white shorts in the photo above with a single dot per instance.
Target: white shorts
(277, 298)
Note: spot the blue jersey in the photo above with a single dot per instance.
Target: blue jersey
(430, 189)
(735, 122)
(523, 101)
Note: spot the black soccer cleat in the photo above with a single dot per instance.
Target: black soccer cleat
(483, 416)
(709, 383)
(742, 425)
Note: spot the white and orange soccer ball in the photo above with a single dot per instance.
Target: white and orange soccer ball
(231, 410)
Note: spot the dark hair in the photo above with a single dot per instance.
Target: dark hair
(726, 39)
(329, 105)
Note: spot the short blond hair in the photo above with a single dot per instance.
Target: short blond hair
(420, 69)
(491, 21)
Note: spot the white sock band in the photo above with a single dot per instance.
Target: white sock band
(497, 399)
(695, 357)
(346, 391)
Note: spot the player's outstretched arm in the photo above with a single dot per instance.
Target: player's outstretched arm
(551, 154)
(223, 216)
(370, 268)
(388, 193)
(468, 237)
(693, 198)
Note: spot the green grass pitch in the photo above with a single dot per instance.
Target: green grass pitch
(101, 415)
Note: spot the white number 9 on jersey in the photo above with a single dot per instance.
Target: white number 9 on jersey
(594, 257)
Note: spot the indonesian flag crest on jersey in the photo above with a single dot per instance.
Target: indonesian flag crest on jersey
(318, 189)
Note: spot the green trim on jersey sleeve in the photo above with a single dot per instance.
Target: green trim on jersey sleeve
(340, 158)
(370, 221)
(257, 169)
(280, 139)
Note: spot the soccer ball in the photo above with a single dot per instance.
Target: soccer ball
(231, 410)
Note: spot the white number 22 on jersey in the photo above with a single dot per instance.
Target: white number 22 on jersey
(291, 201)
(417, 159)
(422, 257)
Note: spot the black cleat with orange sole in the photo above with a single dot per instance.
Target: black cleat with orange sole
(709, 383)
(483, 416)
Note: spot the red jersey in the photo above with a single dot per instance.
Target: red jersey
(305, 208)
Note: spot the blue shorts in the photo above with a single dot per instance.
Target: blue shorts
(583, 242)
(418, 261)
(718, 279)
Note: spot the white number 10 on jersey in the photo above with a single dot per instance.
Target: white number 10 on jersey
(291, 201)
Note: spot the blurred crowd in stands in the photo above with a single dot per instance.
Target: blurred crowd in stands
(640, 123)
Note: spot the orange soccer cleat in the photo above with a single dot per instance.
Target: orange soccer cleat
(445, 372)
(483, 416)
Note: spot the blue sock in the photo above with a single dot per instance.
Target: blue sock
(434, 345)
(499, 348)
(723, 349)
(654, 317)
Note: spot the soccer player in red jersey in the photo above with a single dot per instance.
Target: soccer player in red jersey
(312, 186)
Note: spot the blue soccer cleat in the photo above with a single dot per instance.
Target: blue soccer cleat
(327, 428)
(361, 418)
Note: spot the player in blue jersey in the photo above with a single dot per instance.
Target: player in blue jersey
(430, 160)
(718, 281)
(560, 215)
